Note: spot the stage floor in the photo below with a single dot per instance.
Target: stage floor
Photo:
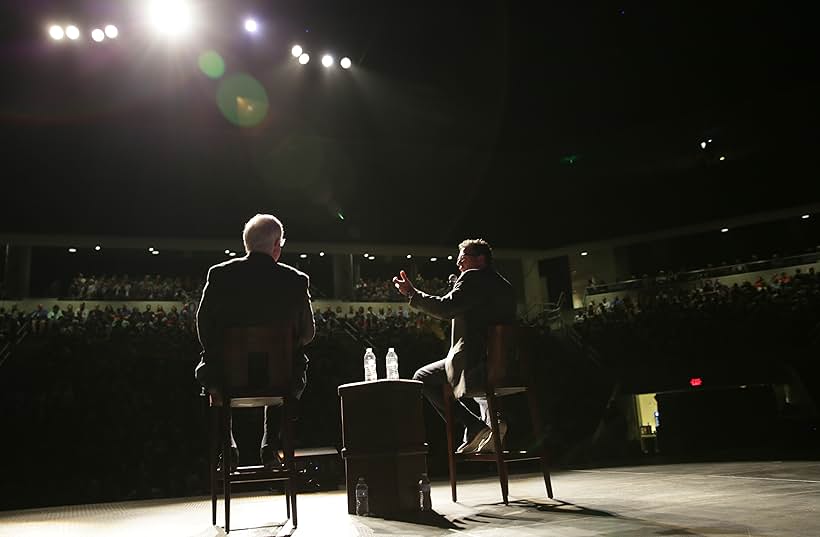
(716, 499)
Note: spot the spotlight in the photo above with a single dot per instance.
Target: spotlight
(97, 35)
(296, 51)
(72, 250)
(72, 32)
(111, 31)
(345, 63)
(251, 26)
(170, 16)
(304, 58)
(56, 32)
(327, 60)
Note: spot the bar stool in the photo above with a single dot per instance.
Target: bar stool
(258, 361)
(509, 372)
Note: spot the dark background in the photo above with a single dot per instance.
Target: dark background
(531, 124)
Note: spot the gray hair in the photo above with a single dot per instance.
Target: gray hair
(262, 232)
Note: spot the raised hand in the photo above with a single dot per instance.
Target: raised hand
(403, 284)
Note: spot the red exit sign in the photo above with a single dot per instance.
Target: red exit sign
(695, 382)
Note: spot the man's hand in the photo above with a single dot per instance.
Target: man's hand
(404, 285)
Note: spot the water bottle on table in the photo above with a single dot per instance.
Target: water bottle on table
(425, 503)
(370, 365)
(392, 363)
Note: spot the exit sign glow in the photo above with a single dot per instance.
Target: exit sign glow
(695, 382)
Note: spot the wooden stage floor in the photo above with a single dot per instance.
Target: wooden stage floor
(776, 499)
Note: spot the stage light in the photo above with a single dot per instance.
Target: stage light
(303, 256)
(251, 26)
(170, 16)
(72, 250)
(111, 31)
(296, 51)
(345, 63)
(97, 248)
(72, 32)
(806, 216)
(56, 32)
(321, 254)
(304, 58)
(97, 35)
(584, 254)
(724, 230)
(327, 60)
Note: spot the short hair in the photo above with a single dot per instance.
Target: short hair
(477, 247)
(262, 232)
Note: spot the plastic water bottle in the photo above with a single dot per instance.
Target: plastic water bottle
(362, 503)
(425, 503)
(370, 366)
(392, 363)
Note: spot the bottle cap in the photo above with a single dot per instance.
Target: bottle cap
(389, 349)
(369, 349)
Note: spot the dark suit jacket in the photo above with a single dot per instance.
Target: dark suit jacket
(248, 291)
(479, 298)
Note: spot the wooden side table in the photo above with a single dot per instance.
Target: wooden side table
(383, 441)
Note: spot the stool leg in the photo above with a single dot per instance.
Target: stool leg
(290, 461)
(213, 447)
(503, 478)
(227, 454)
(537, 428)
(451, 448)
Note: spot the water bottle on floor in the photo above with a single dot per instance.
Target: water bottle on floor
(392, 363)
(362, 503)
(425, 503)
(370, 365)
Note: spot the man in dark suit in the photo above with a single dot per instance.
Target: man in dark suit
(479, 298)
(253, 290)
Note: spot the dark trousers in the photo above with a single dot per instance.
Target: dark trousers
(270, 431)
(434, 377)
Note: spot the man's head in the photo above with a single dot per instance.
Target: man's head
(264, 234)
(474, 254)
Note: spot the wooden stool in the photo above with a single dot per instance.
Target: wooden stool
(509, 371)
(257, 372)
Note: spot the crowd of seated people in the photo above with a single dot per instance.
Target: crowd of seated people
(125, 287)
(99, 322)
(752, 323)
(330, 321)
(383, 290)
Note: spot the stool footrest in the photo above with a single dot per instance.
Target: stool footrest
(509, 456)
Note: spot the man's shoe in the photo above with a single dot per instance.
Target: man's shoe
(472, 445)
(270, 458)
(234, 460)
(488, 446)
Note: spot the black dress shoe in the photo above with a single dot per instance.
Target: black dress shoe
(270, 458)
(234, 460)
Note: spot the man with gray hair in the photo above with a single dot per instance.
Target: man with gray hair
(253, 290)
